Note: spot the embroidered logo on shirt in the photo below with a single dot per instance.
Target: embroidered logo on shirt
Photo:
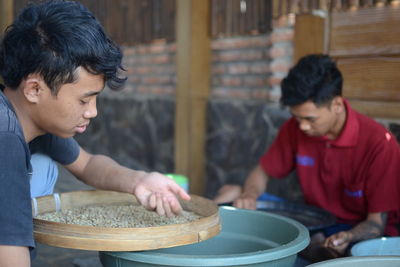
(357, 193)
(305, 160)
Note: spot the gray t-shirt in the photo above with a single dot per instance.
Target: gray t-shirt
(16, 227)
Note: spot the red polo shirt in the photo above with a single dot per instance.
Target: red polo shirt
(350, 176)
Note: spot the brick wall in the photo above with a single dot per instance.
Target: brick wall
(151, 69)
(244, 67)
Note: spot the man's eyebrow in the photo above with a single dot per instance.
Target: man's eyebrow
(304, 118)
(91, 93)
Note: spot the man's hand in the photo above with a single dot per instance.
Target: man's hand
(246, 201)
(339, 242)
(254, 186)
(153, 190)
(228, 193)
(372, 227)
(159, 193)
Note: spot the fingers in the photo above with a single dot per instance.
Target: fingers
(337, 242)
(245, 203)
(182, 193)
(164, 205)
(152, 202)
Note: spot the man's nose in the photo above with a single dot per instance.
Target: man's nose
(91, 112)
(304, 125)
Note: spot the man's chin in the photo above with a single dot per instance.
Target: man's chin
(64, 134)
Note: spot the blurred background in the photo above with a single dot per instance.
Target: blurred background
(203, 88)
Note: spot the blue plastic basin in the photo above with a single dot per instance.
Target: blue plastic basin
(248, 238)
(364, 261)
(379, 246)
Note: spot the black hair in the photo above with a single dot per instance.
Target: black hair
(53, 39)
(314, 78)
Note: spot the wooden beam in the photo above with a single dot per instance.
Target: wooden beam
(193, 86)
(6, 17)
(310, 34)
(371, 78)
(377, 109)
(365, 32)
(6, 14)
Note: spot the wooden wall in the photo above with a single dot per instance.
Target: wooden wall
(132, 22)
(366, 44)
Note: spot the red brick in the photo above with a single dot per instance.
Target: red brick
(171, 47)
(142, 69)
(156, 90)
(231, 81)
(133, 79)
(254, 81)
(280, 51)
(159, 79)
(142, 49)
(231, 93)
(228, 56)
(164, 69)
(259, 67)
(218, 69)
(282, 36)
(275, 93)
(274, 81)
(260, 94)
(283, 21)
(128, 51)
(157, 48)
(240, 68)
(163, 58)
(145, 60)
(240, 42)
(280, 66)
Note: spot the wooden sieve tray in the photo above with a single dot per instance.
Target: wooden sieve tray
(120, 239)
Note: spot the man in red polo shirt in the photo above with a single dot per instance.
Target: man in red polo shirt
(346, 162)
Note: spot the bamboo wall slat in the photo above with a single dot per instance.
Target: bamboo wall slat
(132, 22)
(368, 31)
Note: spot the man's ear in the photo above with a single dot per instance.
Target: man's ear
(338, 104)
(32, 89)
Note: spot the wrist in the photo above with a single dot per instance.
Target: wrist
(250, 194)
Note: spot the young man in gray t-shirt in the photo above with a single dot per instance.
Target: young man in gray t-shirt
(55, 59)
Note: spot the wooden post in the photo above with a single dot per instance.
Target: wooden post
(193, 86)
(6, 17)
(6, 14)
(310, 35)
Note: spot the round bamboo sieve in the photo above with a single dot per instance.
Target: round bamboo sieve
(120, 239)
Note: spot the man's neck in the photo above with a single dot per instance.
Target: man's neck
(338, 126)
(21, 109)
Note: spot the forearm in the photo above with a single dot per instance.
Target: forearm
(11, 256)
(372, 227)
(256, 183)
(102, 172)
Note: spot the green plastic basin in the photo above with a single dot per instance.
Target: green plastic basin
(366, 261)
(248, 238)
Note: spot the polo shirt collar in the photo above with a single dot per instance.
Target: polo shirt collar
(349, 134)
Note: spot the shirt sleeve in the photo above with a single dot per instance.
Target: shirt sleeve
(279, 160)
(382, 187)
(16, 226)
(62, 150)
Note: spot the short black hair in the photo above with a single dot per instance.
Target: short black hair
(314, 78)
(53, 39)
